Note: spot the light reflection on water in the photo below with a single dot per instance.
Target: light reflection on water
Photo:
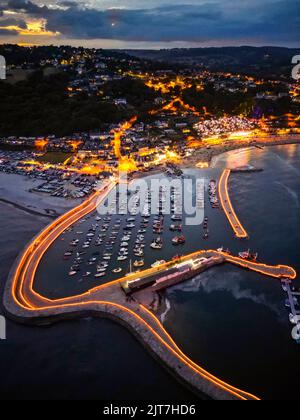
(81, 359)
(235, 322)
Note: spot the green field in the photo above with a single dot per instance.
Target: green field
(54, 157)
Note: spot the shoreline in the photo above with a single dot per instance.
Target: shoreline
(211, 155)
(27, 210)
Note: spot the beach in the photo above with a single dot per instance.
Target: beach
(207, 154)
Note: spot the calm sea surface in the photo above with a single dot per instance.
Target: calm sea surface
(82, 359)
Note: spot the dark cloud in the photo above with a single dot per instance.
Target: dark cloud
(268, 20)
(68, 3)
(27, 7)
(5, 32)
(13, 22)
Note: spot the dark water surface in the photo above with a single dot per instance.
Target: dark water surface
(234, 322)
(82, 359)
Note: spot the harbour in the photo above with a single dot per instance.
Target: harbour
(235, 248)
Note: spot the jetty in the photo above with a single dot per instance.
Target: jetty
(239, 230)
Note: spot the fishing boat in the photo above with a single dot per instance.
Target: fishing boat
(247, 255)
(72, 273)
(68, 254)
(79, 253)
(139, 253)
(158, 263)
(176, 217)
(157, 244)
(139, 263)
(122, 257)
(178, 240)
(129, 226)
(100, 275)
(293, 319)
(175, 228)
(158, 231)
(87, 274)
(103, 264)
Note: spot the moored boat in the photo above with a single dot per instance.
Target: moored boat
(178, 240)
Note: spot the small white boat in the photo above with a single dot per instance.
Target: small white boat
(72, 273)
(68, 254)
(117, 270)
(139, 263)
(101, 274)
(158, 263)
(156, 246)
(87, 274)
(122, 258)
(293, 319)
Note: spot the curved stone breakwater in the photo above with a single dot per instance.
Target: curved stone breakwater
(239, 231)
(23, 304)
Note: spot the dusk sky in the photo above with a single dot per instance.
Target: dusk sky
(151, 23)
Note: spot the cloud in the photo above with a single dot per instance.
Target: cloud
(271, 20)
(24, 6)
(8, 32)
(68, 4)
(13, 22)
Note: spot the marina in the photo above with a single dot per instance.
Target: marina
(125, 241)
